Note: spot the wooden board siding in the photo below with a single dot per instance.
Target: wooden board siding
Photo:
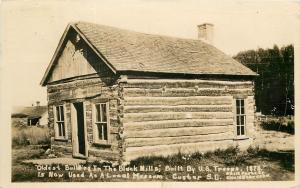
(165, 116)
(71, 63)
(76, 59)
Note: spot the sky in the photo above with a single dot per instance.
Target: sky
(30, 30)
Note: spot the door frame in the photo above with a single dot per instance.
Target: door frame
(75, 142)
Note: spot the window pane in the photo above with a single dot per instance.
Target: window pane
(105, 131)
(238, 110)
(238, 103)
(103, 111)
(242, 130)
(62, 113)
(102, 131)
(238, 120)
(242, 110)
(63, 129)
(57, 114)
(242, 120)
(97, 112)
(238, 130)
(59, 129)
(242, 103)
(99, 127)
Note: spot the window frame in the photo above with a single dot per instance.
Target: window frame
(59, 121)
(96, 139)
(238, 116)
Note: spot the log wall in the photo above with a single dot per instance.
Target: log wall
(88, 90)
(167, 116)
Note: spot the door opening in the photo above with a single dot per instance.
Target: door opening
(79, 112)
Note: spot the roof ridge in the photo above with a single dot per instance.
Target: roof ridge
(155, 35)
(138, 32)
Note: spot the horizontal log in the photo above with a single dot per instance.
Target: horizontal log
(136, 126)
(113, 130)
(62, 148)
(175, 83)
(171, 149)
(105, 155)
(77, 82)
(250, 119)
(184, 92)
(194, 100)
(156, 116)
(72, 85)
(138, 142)
(81, 93)
(179, 108)
(61, 143)
(175, 132)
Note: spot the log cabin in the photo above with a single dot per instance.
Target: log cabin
(116, 95)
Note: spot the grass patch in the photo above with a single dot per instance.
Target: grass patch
(32, 135)
(231, 156)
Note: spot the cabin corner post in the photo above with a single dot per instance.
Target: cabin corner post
(251, 113)
(50, 117)
(121, 132)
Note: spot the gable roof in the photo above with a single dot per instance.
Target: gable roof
(29, 112)
(124, 50)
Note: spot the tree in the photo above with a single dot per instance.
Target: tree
(274, 87)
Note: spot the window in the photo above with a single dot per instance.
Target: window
(101, 123)
(240, 117)
(60, 122)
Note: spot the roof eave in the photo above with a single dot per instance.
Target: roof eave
(46, 74)
(127, 72)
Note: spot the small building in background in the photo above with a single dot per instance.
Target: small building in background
(35, 115)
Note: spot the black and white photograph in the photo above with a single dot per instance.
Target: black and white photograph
(149, 91)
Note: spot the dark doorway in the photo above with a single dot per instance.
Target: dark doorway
(80, 127)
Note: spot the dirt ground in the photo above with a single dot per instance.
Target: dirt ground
(274, 140)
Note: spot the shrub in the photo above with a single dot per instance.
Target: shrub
(230, 156)
(253, 150)
(288, 127)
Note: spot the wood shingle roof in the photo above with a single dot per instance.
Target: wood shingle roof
(126, 50)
